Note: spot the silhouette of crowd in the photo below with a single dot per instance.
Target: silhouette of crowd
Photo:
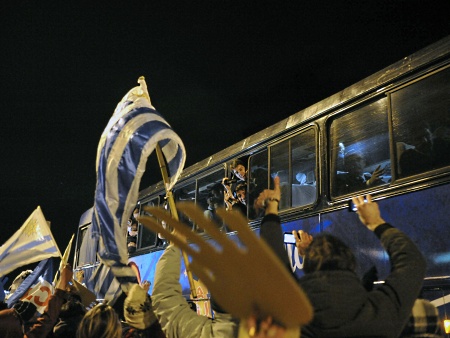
(343, 304)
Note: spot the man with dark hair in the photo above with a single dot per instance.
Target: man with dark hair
(342, 306)
(328, 253)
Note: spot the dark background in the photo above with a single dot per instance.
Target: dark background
(218, 71)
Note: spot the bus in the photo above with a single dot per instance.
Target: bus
(391, 128)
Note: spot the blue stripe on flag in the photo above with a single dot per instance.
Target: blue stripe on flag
(44, 269)
(130, 137)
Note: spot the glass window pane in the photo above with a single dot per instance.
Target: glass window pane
(258, 180)
(279, 166)
(210, 195)
(421, 125)
(294, 162)
(148, 238)
(303, 172)
(186, 193)
(359, 144)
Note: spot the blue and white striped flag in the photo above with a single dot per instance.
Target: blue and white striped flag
(37, 287)
(33, 242)
(130, 137)
(104, 284)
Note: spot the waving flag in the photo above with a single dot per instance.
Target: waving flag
(105, 285)
(64, 260)
(130, 137)
(37, 287)
(33, 242)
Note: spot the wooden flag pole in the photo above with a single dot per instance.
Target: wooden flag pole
(173, 210)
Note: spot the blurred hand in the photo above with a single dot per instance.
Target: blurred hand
(375, 175)
(302, 241)
(146, 285)
(65, 278)
(264, 329)
(368, 212)
(263, 199)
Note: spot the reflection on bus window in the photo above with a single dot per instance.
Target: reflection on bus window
(87, 253)
(148, 238)
(186, 193)
(294, 162)
(210, 195)
(258, 181)
(360, 149)
(421, 128)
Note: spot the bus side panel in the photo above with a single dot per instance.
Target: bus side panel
(146, 265)
(423, 215)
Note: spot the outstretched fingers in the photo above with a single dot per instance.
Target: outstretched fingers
(212, 228)
(237, 222)
(205, 248)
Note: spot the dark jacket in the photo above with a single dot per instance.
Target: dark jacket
(343, 307)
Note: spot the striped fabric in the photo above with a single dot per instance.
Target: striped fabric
(37, 287)
(423, 322)
(33, 242)
(130, 137)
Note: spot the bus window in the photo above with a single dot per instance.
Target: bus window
(359, 143)
(146, 237)
(183, 194)
(88, 247)
(258, 180)
(210, 194)
(294, 162)
(421, 125)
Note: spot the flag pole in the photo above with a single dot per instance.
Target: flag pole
(64, 259)
(173, 209)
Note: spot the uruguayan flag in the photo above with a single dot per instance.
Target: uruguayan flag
(104, 284)
(33, 242)
(130, 137)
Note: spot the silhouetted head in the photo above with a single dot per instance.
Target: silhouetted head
(327, 252)
(354, 163)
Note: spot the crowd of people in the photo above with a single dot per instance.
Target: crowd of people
(344, 305)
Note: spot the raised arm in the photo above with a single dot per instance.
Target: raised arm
(48, 319)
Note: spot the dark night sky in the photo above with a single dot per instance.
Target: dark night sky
(218, 71)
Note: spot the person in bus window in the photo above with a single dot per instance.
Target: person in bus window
(241, 201)
(417, 158)
(214, 200)
(132, 236)
(239, 170)
(441, 146)
(354, 177)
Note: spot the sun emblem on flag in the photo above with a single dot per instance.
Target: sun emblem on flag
(32, 229)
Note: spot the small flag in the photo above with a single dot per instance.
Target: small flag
(64, 260)
(33, 242)
(131, 135)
